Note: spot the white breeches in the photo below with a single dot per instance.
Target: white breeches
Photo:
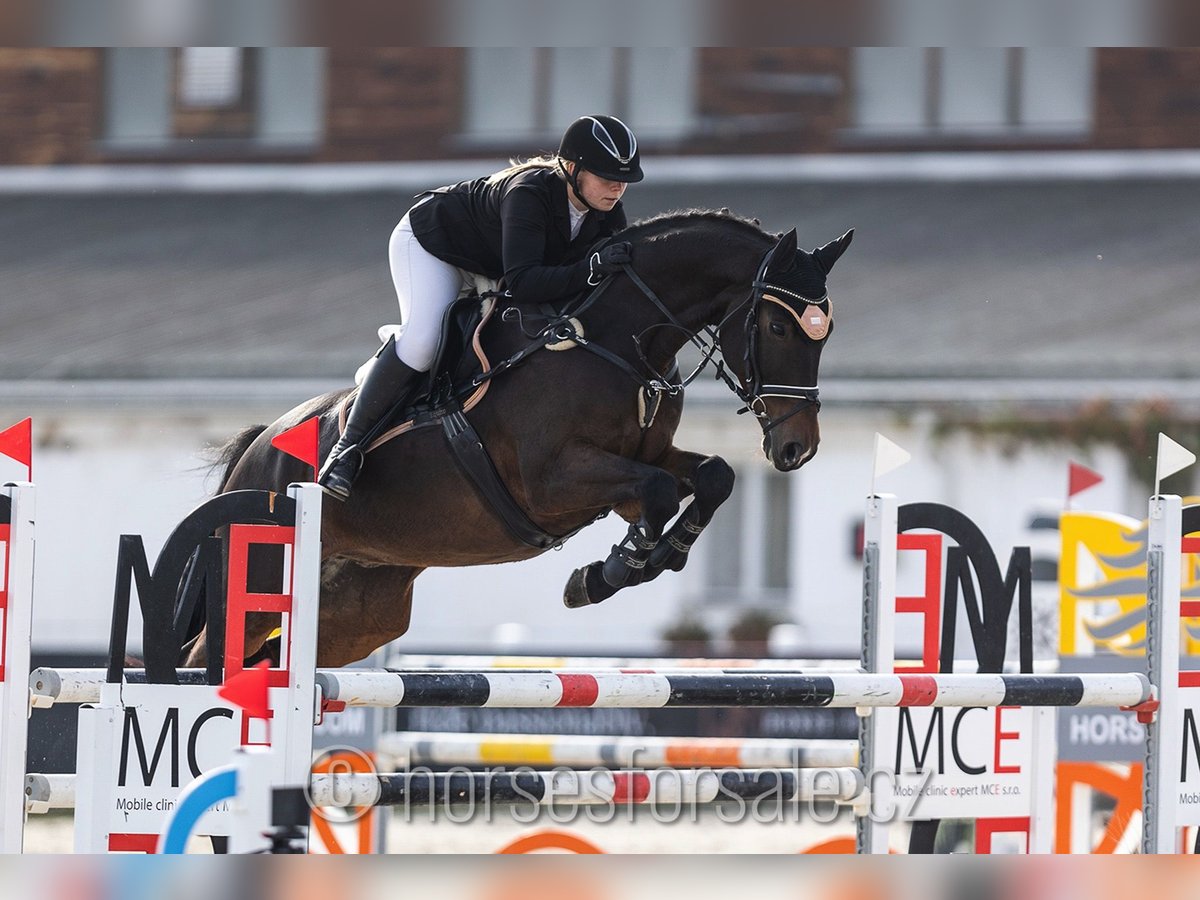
(425, 286)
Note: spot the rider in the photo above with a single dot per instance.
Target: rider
(530, 224)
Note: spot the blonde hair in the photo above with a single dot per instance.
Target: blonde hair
(516, 164)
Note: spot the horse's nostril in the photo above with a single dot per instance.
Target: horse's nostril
(792, 454)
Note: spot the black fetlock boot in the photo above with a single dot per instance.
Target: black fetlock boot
(384, 386)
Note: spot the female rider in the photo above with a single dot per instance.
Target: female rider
(530, 224)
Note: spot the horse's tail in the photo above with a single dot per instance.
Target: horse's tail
(223, 458)
(228, 454)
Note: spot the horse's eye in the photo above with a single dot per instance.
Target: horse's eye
(778, 329)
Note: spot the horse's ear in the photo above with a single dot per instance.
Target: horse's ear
(783, 255)
(829, 254)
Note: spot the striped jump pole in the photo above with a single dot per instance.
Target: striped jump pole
(46, 792)
(457, 749)
(49, 685)
(533, 690)
(407, 662)
(579, 788)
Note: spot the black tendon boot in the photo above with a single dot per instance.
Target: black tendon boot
(383, 387)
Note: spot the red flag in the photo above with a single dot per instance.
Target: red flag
(302, 442)
(248, 690)
(17, 443)
(1081, 478)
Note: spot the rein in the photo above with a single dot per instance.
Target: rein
(707, 340)
(754, 395)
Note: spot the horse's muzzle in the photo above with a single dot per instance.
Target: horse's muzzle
(789, 455)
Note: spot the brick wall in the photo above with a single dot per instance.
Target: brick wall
(392, 103)
(771, 100)
(50, 104)
(406, 103)
(1148, 98)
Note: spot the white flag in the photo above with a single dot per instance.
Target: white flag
(1172, 457)
(888, 456)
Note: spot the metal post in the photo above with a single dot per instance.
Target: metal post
(1160, 790)
(878, 656)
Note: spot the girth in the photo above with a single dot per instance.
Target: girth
(472, 457)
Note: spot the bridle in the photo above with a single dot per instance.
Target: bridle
(755, 392)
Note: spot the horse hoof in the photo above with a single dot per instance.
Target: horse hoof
(575, 595)
(668, 558)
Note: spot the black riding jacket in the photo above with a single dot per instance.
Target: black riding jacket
(516, 227)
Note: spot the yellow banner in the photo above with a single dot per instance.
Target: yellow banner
(1102, 586)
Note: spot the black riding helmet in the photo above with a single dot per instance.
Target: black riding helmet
(604, 146)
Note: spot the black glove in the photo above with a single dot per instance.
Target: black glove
(608, 261)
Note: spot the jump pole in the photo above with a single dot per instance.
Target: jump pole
(627, 690)
(582, 751)
(17, 519)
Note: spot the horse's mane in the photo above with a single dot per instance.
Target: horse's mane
(660, 224)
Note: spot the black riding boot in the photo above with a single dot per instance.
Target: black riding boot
(383, 387)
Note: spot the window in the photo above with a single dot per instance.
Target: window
(214, 93)
(963, 92)
(210, 76)
(747, 546)
(203, 99)
(524, 93)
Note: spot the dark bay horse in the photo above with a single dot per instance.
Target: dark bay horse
(564, 432)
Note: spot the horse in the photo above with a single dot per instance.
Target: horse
(571, 435)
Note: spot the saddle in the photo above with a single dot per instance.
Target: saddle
(461, 324)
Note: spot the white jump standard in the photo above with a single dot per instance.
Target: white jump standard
(17, 518)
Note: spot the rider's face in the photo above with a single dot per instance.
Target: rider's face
(599, 193)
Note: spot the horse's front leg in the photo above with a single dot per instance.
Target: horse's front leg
(711, 480)
(644, 495)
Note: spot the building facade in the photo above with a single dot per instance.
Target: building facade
(93, 105)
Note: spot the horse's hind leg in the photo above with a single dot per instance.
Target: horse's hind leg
(257, 629)
(265, 574)
(362, 608)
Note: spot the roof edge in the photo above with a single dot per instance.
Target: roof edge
(334, 178)
(189, 395)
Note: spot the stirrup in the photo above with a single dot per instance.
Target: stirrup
(340, 472)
